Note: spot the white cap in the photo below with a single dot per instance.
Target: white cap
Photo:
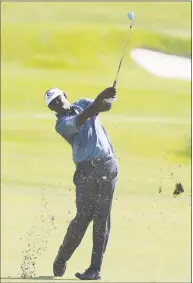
(51, 94)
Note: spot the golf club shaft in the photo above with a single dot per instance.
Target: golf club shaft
(120, 63)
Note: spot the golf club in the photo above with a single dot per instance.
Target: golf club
(131, 17)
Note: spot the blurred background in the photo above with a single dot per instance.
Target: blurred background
(76, 47)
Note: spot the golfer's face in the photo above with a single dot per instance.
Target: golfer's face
(60, 103)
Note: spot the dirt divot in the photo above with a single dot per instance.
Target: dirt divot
(36, 240)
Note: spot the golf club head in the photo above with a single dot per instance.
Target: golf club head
(131, 16)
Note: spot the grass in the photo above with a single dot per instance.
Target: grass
(76, 47)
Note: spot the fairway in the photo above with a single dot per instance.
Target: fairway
(76, 47)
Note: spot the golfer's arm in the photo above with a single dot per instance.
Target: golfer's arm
(99, 105)
(89, 112)
(105, 106)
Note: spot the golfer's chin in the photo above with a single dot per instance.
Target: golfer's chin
(64, 109)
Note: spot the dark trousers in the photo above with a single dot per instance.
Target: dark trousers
(95, 183)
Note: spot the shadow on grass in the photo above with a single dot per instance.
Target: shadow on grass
(186, 152)
(47, 278)
(53, 278)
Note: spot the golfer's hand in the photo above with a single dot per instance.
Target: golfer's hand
(109, 92)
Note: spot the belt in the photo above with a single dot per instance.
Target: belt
(94, 162)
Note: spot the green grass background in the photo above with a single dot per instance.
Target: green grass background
(76, 47)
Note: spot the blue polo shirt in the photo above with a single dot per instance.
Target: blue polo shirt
(90, 140)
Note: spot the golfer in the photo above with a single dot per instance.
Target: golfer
(95, 176)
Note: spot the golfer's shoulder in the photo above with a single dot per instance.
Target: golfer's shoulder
(84, 102)
(61, 123)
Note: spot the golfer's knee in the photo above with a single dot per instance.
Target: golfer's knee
(84, 218)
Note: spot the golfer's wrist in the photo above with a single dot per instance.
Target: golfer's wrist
(94, 107)
(98, 101)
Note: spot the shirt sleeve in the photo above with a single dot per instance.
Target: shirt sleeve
(67, 126)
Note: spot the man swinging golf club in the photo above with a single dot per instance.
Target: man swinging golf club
(95, 176)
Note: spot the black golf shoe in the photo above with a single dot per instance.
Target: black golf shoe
(59, 265)
(59, 268)
(89, 274)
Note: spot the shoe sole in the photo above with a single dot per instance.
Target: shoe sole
(58, 275)
(81, 277)
(61, 273)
